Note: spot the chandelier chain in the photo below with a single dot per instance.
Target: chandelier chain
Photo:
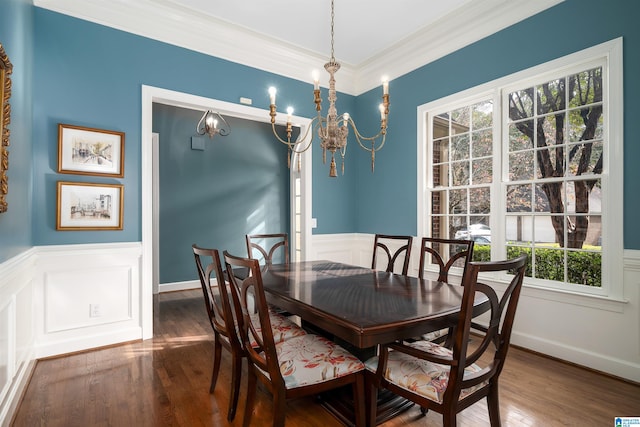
(333, 59)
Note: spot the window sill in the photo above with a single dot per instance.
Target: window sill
(600, 302)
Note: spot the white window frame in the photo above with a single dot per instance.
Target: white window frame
(609, 55)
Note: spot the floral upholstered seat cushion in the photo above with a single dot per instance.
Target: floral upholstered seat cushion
(420, 376)
(283, 328)
(434, 335)
(312, 359)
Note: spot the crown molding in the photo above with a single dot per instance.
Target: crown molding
(477, 20)
(167, 22)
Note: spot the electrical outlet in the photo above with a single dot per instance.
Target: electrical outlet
(95, 310)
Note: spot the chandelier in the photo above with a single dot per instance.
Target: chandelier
(333, 128)
(209, 122)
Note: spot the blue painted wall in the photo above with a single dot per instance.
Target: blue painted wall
(16, 35)
(566, 28)
(239, 184)
(95, 80)
(86, 74)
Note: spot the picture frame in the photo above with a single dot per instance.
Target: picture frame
(89, 206)
(6, 68)
(90, 151)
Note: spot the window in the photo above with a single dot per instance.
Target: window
(531, 164)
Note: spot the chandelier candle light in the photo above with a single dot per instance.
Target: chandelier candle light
(208, 124)
(334, 128)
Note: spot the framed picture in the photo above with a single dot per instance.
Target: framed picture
(87, 151)
(87, 206)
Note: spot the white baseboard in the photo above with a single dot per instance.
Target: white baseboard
(580, 356)
(18, 386)
(178, 286)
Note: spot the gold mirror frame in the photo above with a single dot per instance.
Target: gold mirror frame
(5, 118)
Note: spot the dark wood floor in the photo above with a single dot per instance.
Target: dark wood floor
(165, 382)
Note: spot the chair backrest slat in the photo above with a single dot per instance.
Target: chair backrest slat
(268, 246)
(445, 253)
(395, 248)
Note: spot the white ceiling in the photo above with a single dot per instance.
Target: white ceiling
(363, 28)
(292, 37)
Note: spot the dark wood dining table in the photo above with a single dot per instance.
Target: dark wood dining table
(360, 307)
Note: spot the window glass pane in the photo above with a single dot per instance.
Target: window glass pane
(520, 135)
(519, 229)
(437, 226)
(460, 147)
(482, 115)
(558, 225)
(441, 175)
(586, 124)
(521, 104)
(551, 96)
(458, 201)
(521, 165)
(438, 200)
(584, 232)
(585, 87)
(482, 171)
(585, 158)
(549, 134)
(480, 201)
(482, 143)
(583, 196)
(584, 268)
(519, 198)
(594, 233)
(440, 150)
(460, 173)
(440, 126)
(461, 117)
(541, 199)
(548, 161)
(544, 230)
(549, 264)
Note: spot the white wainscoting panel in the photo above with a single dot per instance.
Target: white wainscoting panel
(17, 335)
(89, 295)
(100, 295)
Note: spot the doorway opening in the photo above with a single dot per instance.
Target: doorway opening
(300, 187)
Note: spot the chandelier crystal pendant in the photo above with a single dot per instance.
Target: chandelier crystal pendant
(332, 129)
(212, 123)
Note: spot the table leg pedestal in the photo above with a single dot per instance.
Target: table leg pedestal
(340, 404)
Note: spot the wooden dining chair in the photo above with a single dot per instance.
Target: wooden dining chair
(268, 247)
(394, 248)
(450, 380)
(301, 366)
(222, 306)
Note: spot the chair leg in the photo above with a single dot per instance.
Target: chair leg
(251, 393)
(279, 408)
(371, 397)
(494, 406)
(236, 374)
(217, 353)
(449, 418)
(358, 401)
